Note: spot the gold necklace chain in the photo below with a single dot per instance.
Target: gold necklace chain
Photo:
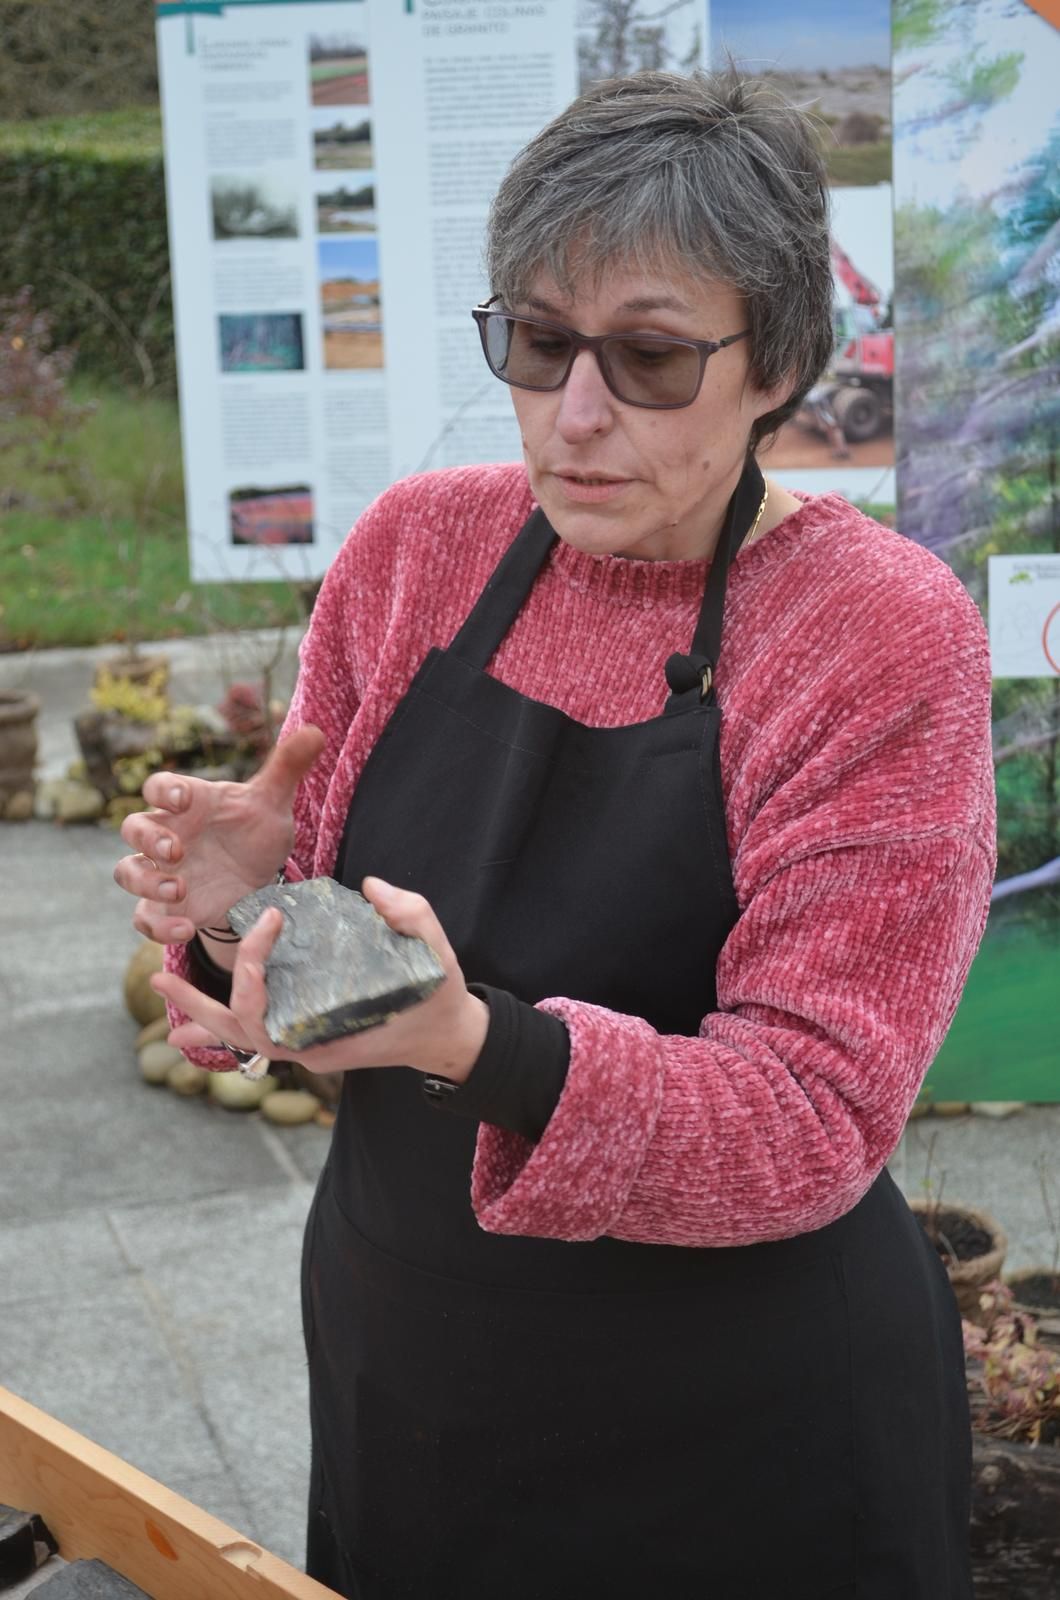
(752, 536)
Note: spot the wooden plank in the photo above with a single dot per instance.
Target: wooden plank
(98, 1505)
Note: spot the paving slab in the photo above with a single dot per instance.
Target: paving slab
(102, 1363)
(80, 1253)
(82, 1130)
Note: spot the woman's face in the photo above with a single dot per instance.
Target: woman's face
(668, 475)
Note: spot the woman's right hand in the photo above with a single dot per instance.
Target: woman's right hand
(208, 844)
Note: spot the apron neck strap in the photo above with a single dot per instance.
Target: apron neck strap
(500, 602)
(691, 677)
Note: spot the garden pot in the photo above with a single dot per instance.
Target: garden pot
(1036, 1291)
(971, 1244)
(18, 746)
(135, 669)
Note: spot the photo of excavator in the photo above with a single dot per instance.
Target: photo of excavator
(854, 401)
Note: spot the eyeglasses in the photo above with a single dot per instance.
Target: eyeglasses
(642, 369)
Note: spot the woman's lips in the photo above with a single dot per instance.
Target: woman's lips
(585, 489)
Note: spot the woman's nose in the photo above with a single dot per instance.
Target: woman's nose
(586, 403)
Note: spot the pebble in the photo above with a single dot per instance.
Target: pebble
(157, 1060)
(997, 1108)
(186, 1078)
(159, 1029)
(77, 802)
(236, 1093)
(143, 1003)
(950, 1108)
(290, 1106)
(19, 807)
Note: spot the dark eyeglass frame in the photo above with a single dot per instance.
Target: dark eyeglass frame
(704, 348)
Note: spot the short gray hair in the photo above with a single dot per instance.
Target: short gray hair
(712, 173)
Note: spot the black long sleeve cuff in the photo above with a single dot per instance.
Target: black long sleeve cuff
(519, 1073)
(206, 975)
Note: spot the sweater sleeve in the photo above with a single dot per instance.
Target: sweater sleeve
(863, 866)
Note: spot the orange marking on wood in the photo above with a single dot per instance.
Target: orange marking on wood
(159, 1540)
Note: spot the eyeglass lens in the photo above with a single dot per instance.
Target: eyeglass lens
(640, 371)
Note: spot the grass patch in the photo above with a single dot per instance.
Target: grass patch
(1002, 1045)
(858, 165)
(95, 548)
(133, 132)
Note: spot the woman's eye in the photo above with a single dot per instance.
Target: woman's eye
(649, 355)
(544, 346)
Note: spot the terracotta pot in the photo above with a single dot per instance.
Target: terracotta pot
(18, 744)
(1036, 1291)
(971, 1244)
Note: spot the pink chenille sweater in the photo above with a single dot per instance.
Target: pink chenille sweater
(854, 688)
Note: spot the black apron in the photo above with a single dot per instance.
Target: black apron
(501, 1418)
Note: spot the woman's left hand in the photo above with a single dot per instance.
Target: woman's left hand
(442, 1035)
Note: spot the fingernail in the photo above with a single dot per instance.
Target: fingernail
(164, 848)
(176, 795)
(168, 889)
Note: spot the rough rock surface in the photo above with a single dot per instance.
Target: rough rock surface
(336, 968)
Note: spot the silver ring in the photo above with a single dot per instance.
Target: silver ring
(251, 1063)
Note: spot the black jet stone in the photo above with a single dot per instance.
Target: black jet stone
(88, 1580)
(336, 968)
(25, 1543)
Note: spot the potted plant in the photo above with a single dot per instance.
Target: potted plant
(970, 1242)
(1036, 1290)
(18, 753)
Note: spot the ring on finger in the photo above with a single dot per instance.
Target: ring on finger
(151, 862)
(251, 1063)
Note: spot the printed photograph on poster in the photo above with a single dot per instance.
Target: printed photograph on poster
(347, 210)
(261, 342)
(258, 205)
(279, 514)
(350, 303)
(977, 306)
(620, 36)
(848, 416)
(824, 55)
(343, 146)
(834, 59)
(338, 69)
(1024, 616)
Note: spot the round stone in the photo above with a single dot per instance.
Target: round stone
(19, 807)
(236, 1093)
(159, 1029)
(290, 1106)
(186, 1078)
(157, 1060)
(144, 1004)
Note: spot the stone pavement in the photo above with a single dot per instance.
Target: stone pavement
(149, 1245)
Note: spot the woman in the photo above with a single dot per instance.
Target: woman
(607, 1291)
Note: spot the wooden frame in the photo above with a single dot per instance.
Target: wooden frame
(98, 1505)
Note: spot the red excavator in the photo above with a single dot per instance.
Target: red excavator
(858, 388)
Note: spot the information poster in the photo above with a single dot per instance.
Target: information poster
(330, 165)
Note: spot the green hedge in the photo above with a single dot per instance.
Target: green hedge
(84, 209)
